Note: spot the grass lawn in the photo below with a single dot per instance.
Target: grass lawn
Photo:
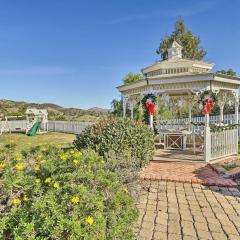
(23, 141)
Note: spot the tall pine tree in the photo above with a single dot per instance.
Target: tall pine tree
(189, 42)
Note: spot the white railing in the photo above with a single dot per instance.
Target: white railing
(17, 125)
(53, 126)
(223, 143)
(67, 126)
(229, 118)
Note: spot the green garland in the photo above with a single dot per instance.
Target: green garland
(198, 124)
(215, 128)
(146, 113)
(212, 94)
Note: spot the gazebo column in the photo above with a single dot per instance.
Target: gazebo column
(221, 106)
(222, 97)
(190, 113)
(132, 109)
(132, 104)
(124, 100)
(236, 109)
(190, 103)
(236, 116)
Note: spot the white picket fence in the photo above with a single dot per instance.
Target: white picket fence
(67, 126)
(223, 143)
(218, 144)
(213, 119)
(53, 126)
(17, 125)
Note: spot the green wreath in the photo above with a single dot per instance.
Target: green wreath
(144, 100)
(203, 95)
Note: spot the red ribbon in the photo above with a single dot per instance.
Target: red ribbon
(150, 107)
(208, 103)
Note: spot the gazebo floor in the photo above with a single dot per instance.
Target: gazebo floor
(178, 155)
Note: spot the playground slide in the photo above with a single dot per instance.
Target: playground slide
(34, 129)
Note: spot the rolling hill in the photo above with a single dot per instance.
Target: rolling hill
(56, 112)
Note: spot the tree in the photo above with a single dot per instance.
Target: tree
(117, 107)
(132, 78)
(229, 72)
(189, 42)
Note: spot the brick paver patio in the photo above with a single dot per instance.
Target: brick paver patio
(185, 172)
(172, 210)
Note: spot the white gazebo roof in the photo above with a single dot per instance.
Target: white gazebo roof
(177, 73)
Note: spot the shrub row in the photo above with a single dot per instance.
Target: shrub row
(125, 145)
(48, 193)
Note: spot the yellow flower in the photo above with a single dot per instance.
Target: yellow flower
(63, 156)
(89, 220)
(75, 161)
(125, 190)
(37, 180)
(75, 200)
(18, 157)
(43, 161)
(56, 185)
(2, 165)
(77, 154)
(16, 201)
(19, 167)
(37, 168)
(25, 198)
(39, 156)
(48, 180)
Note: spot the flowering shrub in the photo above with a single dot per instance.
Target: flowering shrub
(125, 145)
(48, 193)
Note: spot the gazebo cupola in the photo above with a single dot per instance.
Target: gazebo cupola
(175, 51)
(176, 65)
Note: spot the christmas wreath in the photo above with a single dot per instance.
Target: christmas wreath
(206, 101)
(148, 104)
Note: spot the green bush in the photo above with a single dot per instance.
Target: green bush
(125, 145)
(48, 193)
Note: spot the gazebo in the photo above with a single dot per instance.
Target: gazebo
(182, 81)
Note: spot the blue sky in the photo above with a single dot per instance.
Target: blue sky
(75, 52)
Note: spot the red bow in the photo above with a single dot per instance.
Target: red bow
(208, 103)
(150, 107)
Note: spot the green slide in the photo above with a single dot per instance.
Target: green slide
(36, 126)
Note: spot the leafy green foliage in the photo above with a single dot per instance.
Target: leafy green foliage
(229, 72)
(189, 42)
(125, 145)
(117, 107)
(48, 193)
(132, 78)
(117, 110)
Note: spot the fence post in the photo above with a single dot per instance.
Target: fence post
(207, 140)
(236, 118)
(207, 144)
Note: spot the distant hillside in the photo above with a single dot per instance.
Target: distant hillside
(56, 112)
(99, 110)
